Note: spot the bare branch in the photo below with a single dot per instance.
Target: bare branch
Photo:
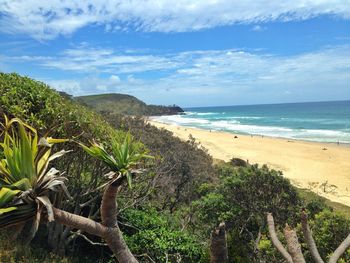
(309, 238)
(293, 245)
(89, 201)
(128, 225)
(257, 240)
(78, 222)
(78, 233)
(340, 250)
(275, 241)
(146, 256)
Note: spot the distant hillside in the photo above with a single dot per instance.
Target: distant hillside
(126, 104)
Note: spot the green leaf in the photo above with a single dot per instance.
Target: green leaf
(24, 168)
(129, 178)
(7, 210)
(6, 195)
(16, 214)
(22, 184)
(126, 154)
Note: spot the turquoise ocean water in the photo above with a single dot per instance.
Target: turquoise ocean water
(312, 121)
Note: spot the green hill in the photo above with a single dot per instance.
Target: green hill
(126, 105)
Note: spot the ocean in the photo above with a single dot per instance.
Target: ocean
(310, 121)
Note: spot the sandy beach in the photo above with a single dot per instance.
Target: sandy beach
(321, 167)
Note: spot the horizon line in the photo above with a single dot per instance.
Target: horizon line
(262, 104)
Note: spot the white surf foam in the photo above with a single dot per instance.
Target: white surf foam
(232, 125)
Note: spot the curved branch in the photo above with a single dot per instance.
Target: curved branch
(109, 207)
(309, 239)
(89, 240)
(113, 236)
(116, 243)
(340, 250)
(275, 241)
(79, 222)
(293, 245)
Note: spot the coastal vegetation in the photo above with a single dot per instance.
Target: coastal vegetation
(171, 194)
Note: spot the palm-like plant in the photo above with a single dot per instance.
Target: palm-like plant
(123, 161)
(25, 181)
(126, 154)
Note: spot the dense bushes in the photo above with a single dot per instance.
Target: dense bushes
(181, 166)
(330, 229)
(241, 199)
(160, 237)
(45, 109)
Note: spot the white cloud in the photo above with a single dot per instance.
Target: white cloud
(114, 79)
(72, 87)
(87, 85)
(229, 76)
(49, 19)
(259, 28)
(86, 59)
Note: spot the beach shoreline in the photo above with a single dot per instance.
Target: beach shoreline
(321, 167)
(154, 120)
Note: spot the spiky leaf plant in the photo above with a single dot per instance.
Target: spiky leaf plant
(25, 180)
(125, 155)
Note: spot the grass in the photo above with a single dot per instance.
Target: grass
(308, 196)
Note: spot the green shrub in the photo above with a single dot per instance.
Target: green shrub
(241, 199)
(329, 230)
(158, 236)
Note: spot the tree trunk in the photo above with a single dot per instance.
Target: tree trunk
(340, 250)
(309, 239)
(108, 229)
(275, 241)
(114, 237)
(293, 245)
(109, 207)
(79, 222)
(218, 245)
(116, 243)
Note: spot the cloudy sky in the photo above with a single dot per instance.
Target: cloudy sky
(191, 53)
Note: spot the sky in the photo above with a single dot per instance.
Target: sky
(189, 53)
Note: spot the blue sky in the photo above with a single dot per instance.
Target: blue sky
(191, 53)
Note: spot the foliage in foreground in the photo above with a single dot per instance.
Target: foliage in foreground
(180, 167)
(152, 235)
(25, 181)
(242, 198)
(35, 253)
(45, 109)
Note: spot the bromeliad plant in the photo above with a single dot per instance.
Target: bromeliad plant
(25, 181)
(125, 155)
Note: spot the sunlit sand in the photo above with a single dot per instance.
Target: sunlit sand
(321, 167)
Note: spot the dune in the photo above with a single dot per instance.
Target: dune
(323, 168)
